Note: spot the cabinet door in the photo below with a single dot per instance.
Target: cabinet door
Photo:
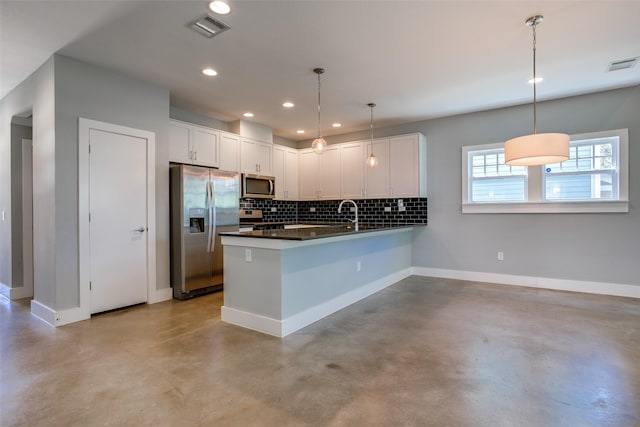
(352, 168)
(279, 166)
(309, 163)
(404, 157)
(263, 157)
(205, 146)
(377, 179)
(330, 176)
(179, 142)
(291, 174)
(248, 159)
(229, 152)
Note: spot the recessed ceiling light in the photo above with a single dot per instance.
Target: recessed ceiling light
(220, 7)
(248, 114)
(336, 125)
(209, 72)
(288, 104)
(538, 80)
(300, 131)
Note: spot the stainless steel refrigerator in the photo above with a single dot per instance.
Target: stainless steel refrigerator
(204, 202)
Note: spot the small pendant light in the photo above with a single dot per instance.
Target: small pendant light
(372, 160)
(319, 144)
(538, 148)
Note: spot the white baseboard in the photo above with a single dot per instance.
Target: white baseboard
(43, 312)
(282, 328)
(160, 295)
(600, 288)
(58, 318)
(266, 325)
(15, 293)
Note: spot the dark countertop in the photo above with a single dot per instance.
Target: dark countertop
(324, 230)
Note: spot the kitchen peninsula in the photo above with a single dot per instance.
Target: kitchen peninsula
(279, 281)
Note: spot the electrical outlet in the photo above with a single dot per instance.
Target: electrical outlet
(312, 209)
(274, 209)
(387, 208)
(400, 202)
(247, 255)
(352, 209)
(358, 266)
(401, 209)
(500, 256)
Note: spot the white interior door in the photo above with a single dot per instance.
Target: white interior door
(118, 220)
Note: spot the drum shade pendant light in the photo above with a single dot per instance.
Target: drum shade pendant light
(319, 144)
(372, 160)
(537, 148)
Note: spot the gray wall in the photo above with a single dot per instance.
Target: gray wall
(18, 133)
(34, 94)
(178, 113)
(84, 90)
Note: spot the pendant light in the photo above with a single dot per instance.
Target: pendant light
(372, 160)
(538, 148)
(319, 144)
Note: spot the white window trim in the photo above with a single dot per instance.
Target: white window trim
(535, 202)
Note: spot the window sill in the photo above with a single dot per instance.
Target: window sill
(549, 207)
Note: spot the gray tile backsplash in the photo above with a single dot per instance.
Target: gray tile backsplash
(370, 211)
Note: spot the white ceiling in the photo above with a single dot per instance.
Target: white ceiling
(415, 59)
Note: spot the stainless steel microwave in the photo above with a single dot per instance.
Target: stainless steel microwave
(258, 186)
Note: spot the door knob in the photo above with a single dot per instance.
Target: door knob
(140, 229)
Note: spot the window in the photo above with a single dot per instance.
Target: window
(491, 181)
(593, 179)
(591, 173)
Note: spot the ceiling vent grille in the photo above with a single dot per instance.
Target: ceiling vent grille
(624, 64)
(209, 26)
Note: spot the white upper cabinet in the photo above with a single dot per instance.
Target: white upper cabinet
(229, 152)
(407, 166)
(309, 163)
(352, 168)
(255, 156)
(291, 174)
(193, 144)
(320, 176)
(330, 176)
(377, 179)
(285, 170)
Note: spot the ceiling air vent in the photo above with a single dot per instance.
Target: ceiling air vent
(621, 65)
(209, 26)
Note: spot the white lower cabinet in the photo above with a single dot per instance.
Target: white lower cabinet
(193, 144)
(285, 170)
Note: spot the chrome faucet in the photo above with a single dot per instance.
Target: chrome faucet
(355, 221)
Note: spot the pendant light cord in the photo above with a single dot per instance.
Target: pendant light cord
(371, 126)
(319, 135)
(535, 83)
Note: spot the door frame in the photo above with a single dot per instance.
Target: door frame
(84, 261)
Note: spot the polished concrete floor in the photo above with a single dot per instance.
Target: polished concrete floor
(424, 352)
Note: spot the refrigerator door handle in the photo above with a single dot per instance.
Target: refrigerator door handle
(209, 203)
(214, 219)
